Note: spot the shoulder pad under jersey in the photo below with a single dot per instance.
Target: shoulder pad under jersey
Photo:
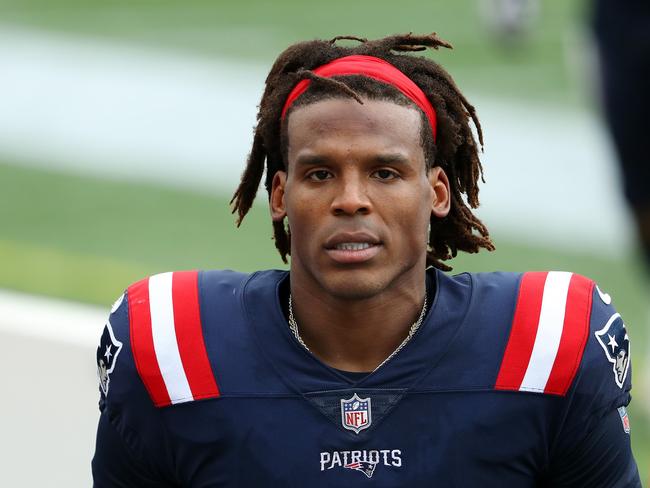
(549, 330)
(167, 335)
(557, 335)
(154, 344)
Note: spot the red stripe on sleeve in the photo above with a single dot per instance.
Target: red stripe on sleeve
(189, 335)
(574, 335)
(523, 332)
(144, 353)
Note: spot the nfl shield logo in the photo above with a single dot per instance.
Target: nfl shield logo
(624, 419)
(356, 414)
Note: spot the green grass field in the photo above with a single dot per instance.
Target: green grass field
(86, 239)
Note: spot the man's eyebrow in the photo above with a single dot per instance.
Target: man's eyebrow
(312, 159)
(391, 158)
(381, 158)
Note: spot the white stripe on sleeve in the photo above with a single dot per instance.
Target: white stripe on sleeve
(164, 338)
(549, 331)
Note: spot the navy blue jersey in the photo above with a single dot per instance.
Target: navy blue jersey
(514, 380)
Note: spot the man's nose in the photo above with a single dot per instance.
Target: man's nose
(351, 197)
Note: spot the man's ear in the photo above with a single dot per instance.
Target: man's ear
(278, 210)
(441, 192)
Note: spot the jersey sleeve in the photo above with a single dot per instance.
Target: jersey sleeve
(131, 444)
(593, 447)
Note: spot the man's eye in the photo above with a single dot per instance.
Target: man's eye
(320, 175)
(385, 174)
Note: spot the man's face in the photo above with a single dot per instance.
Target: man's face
(357, 196)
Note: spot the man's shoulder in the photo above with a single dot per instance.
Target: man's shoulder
(605, 372)
(549, 332)
(183, 299)
(178, 334)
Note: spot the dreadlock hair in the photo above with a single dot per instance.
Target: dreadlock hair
(455, 149)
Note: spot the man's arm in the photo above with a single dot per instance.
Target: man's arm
(602, 458)
(115, 465)
(593, 447)
(131, 447)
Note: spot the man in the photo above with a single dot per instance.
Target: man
(362, 365)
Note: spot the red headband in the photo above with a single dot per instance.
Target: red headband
(370, 67)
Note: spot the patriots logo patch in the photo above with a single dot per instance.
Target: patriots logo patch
(107, 352)
(366, 468)
(615, 342)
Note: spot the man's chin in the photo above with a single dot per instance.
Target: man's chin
(353, 287)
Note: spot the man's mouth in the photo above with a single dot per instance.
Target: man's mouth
(353, 246)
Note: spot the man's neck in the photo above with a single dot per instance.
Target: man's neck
(356, 335)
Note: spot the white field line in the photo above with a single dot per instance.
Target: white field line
(119, 110)
(143, 114)
(51, 319)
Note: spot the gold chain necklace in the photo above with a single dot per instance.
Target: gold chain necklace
(293, 326)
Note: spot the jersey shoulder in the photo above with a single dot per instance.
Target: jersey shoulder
(180, 337)
(606, 368)
(547, 332)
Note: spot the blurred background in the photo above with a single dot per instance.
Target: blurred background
(124, 127)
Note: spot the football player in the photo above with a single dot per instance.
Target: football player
(366, 362)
